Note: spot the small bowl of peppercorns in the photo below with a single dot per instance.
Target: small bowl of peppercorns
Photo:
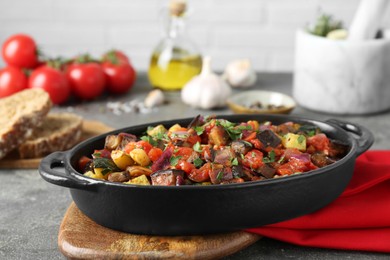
(261, 102)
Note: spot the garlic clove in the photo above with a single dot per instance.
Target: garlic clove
(240, 73)
(154, 98)
(207, 90)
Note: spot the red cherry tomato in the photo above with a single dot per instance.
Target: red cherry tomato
(119, 77)
(184, 152)
(201, 174)
(120, 74)
(87, 80)
(253, 159)
(116, 57)
(144, 145)
(185, 166)
(20, 51)
(319, 142)
(155, 153)
(12, 80)
(53, 81)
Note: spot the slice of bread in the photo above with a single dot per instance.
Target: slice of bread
(59, 132)
(20, 113)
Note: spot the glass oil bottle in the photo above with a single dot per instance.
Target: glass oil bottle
(176, 59)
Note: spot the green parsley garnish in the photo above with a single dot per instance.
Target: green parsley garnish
(301, 138)
(198, 162)
(234, 161)
(149, 139)
(197, 147)
(270, 158)
(161, 136)
(199, 130)
(220, 175)
(281, 159)
(97, 155)
(234, 131)
(309, 130)
(174, 160)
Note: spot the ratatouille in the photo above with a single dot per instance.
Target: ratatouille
(212, 151)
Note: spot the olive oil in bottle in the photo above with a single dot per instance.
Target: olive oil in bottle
(175, 60)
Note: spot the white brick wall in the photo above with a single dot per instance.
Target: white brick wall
(262, 30)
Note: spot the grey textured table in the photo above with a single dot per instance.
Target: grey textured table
(31, 209)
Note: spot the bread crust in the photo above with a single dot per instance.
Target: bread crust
(59, 132)
(21, 113)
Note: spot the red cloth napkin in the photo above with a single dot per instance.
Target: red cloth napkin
(357, 220)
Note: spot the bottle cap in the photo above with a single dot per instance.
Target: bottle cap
(177, 7)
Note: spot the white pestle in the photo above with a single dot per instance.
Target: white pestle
(367, 19)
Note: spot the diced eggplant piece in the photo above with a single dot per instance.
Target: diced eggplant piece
(269, 138)
(126, 138)
(112, 142)
(241, 147)
(119, 176)
(338, 149)
(197, 121)
(178, 138)
(285, 128)
(170, 177)
(219, 173)
(243, 172)
(267, 171)
(218, 136)
(223, 156)
(321, 159)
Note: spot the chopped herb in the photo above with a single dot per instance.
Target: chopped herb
(220, 175)
(309, 130)
(180, 135)
(242, 156)
(270, 158)
(281, 159)
(253, 154)
(174, 160)
(234, 161)
(234, 131)
(301, 138)
(197, 147)
(149, 139)
(199, 130)
(149, 128)
(247, 143)
(108, 165)
(97, 155)
(161, 136)
(198, 162)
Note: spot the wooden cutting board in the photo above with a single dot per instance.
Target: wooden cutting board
(90, 128)
(81, 238)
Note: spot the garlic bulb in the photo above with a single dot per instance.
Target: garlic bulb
(206, 90)
(240, 74)
(154, 98)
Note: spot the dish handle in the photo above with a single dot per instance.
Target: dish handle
(52, 170)
(363, 137)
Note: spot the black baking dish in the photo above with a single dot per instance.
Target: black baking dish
(191, 210)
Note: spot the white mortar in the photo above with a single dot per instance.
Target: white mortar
(341, 77)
